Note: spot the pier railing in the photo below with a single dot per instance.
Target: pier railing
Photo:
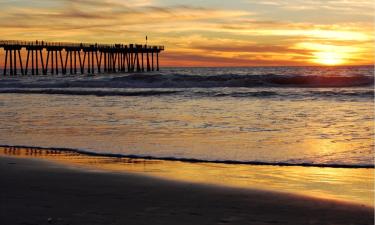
(67, 57)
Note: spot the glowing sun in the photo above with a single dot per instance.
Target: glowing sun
(328, 58)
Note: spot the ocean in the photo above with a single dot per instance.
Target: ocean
(257, 115)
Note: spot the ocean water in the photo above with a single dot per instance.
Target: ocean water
(272, 115)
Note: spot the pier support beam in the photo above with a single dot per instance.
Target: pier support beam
(14, 62)
(75, 62)
(20, 61)
(148, 62)
(157, 61)
(152, 61)
(42, 61)
(143, 67)
(5, 62)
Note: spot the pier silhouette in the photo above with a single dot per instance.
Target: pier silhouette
(49, 58)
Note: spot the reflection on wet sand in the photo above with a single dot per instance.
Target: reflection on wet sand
(346, 184)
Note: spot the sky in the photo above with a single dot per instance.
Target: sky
(207, 33)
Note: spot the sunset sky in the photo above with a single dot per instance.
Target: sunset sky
(207, 33)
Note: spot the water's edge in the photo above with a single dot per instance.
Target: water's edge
(188, 160)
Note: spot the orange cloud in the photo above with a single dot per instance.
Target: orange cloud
(264, 33)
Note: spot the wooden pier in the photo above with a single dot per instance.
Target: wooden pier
(49, 58)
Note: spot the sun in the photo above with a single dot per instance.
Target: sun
(328, 58)
(328, 54)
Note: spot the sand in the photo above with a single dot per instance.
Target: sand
(39, 192)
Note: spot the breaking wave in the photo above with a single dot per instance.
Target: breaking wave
(211, 93)
(188, 81)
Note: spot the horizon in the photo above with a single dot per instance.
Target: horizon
(207, 34)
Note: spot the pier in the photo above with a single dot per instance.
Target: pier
(53, 58)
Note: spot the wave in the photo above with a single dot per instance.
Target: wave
(212, 93)
(347, 93)
(233, 80)
(293, 94)
(99, 93)
(188, 81)
(11, 149)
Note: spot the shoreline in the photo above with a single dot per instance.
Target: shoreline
(189, 160)
(347, 185)
(44, 192)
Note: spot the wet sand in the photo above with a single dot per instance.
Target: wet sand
(38, 192)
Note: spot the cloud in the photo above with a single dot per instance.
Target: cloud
(191, 59)
(110, 14)
(275, 49)
(338, 5)
(198, 34)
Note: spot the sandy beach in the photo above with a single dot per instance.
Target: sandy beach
(40, 192)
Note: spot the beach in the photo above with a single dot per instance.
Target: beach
(36, 191)
(267, 145)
